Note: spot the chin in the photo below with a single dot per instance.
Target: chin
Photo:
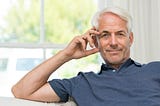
(115, 61)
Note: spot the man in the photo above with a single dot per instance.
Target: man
(121, 81)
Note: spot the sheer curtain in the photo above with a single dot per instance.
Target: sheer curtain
(146, 27)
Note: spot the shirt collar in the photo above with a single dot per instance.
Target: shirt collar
(127, 63)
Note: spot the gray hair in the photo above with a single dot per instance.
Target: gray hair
(115, 10)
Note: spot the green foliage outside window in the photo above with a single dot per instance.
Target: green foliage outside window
(67, 18)
(63, 19)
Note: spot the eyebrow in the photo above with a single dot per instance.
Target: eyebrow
(121, 31)
(105, 31)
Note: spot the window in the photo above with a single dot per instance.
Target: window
(34, 30)
(26, 64)
(3, 64)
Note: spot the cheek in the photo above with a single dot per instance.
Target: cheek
(128, 43)
(126, 47)
(122, 43)
(102, 43)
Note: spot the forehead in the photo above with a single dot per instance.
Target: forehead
(111, 22)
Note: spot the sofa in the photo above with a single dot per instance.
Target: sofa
(11, 101)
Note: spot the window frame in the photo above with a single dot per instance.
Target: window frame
(42, 45)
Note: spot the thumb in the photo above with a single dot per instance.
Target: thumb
(91, 51)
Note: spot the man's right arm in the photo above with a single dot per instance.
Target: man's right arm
(34, 85)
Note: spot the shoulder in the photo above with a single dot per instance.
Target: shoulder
(86, 74)
(153, 66)
(83, 77)
(80, 76)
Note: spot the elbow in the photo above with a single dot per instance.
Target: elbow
(19, 93)
(16, 92)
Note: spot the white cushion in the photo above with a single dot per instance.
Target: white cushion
(10, 101)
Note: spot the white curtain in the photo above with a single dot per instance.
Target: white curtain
(146, 27)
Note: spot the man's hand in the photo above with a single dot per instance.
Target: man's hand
(77, 48)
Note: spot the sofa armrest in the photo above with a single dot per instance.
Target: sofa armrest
(11, 101)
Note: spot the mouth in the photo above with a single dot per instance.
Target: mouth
(116, 51)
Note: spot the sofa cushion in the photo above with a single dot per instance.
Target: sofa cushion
(10, 101)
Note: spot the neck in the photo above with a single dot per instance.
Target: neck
(116, 65)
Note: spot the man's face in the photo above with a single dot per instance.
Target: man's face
(114, 39)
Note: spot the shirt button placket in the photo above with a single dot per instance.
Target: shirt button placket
(114, 71)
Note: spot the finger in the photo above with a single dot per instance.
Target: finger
(93, 31)
(83, 42)
(91, 51)
(92, 38)
(95, 40)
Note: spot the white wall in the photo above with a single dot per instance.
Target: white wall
(146, 27)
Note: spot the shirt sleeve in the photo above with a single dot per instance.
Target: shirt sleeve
(64, 87)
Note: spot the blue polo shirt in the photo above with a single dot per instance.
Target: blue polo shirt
(132, 84)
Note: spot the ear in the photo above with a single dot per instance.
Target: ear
(131, 38)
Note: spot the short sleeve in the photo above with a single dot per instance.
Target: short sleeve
(64, 87)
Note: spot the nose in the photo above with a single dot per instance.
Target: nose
(113, 41)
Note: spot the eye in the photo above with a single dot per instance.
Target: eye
(105, 35)
(121, 34)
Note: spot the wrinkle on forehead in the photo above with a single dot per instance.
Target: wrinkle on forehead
(111, 21)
